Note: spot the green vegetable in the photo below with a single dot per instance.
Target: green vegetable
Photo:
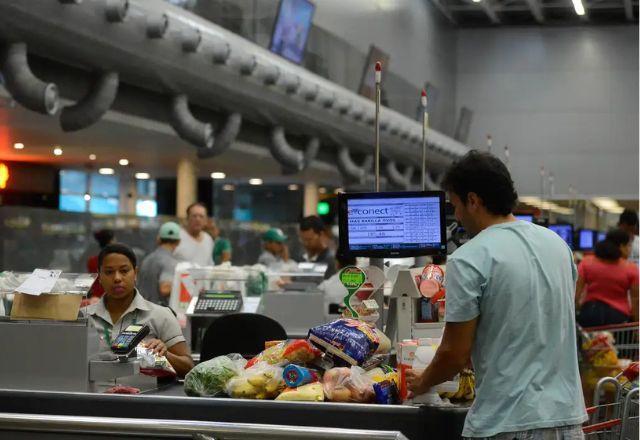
(209, 378)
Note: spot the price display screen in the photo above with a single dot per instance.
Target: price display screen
(389, 225)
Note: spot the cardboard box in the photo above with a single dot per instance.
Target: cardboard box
(58, 307)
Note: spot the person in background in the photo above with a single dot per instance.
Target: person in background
(104, 237)
(122, 305)
(221, 246)
(333, 289)
(628, 222)
(608, 280)
(276, 251)
(509, 308)
(157, 269)
(315, 241)
(196, 246)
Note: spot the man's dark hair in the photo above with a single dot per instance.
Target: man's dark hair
(168, 241)
(194, 205)
(312, 222)
(103, 237)
(118, 248)
(485, 175)
(628, 217)
(345, 261)
(609, 248)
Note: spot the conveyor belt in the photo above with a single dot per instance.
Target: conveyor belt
(417, 423)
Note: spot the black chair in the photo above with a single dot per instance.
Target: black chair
(243, 333)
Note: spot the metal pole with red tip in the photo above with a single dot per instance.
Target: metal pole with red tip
(377, 122)
(425, 127)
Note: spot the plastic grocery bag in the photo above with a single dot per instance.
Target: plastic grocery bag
(261, 381)
(348, 341)
(151, 364)
(348, 385)
(311, 392)
(210, 377)
(296, 351)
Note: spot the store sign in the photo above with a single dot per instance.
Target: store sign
(4, 175)
(352, 278)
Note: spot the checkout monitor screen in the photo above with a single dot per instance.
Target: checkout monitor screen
(392, 224)
(586, 239)
(565, 231)
(524, 217)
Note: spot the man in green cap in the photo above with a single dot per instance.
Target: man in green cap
(157, 269)
(275, 248)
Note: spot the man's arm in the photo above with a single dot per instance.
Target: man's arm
(634, 303)
(452, 356)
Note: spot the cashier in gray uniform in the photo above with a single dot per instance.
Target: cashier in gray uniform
(123, 305)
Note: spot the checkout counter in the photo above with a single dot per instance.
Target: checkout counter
(53, 375)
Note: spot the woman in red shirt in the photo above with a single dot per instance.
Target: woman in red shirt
(611, 283)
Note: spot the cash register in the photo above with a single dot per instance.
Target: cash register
(212, 302)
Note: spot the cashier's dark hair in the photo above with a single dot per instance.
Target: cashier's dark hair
(485, 175)
(609, 248)
(117, 248)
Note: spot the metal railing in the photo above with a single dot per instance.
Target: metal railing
(195, 429)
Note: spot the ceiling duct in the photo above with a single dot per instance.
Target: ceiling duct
(187, 126)
(350, 171)
(93, 106)
(224, 139)
(24, 87)
(115, 11)
(431, 184)
(290, 158)
(396, 178)
(191, 39)
(221, 50)
(157, 26)
(290, 82)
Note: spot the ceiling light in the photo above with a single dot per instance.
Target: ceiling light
(124, 162)
(338, 190)
(322, 190)
(255, 181)
(18, 146)
(228, 187)
(106, 171)
(476, 1)
(616, 210)
(578, 6)
(92, 157)
(57, 151)
(87, 197)
(533, 201)
(142, 176)
(605, 203)
(293, 187)
(218, 175)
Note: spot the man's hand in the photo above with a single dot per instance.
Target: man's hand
(415, 384)
(157, 346)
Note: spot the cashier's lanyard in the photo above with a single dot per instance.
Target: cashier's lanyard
(107, 332)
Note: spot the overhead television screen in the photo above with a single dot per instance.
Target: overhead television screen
(524, 217)
(392, 224)
(291, 30)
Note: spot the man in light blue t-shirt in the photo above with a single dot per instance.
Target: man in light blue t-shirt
(510, 310)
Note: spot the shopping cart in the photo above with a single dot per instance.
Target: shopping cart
(614, 420)
(625, 338)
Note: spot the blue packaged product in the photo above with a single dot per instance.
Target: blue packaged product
(295, 375)
(348, 341)
(386, 392)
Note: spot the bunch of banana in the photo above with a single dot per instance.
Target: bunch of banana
(466, 387)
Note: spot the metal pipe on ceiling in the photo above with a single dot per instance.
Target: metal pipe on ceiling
(187, 126)
(93, 106)
(225, 138)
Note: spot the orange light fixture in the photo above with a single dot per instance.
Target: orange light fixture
(4, 175)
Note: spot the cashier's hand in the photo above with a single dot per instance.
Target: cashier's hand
(157, 346)
(415, 383)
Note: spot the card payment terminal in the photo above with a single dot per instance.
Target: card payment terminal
(129, 338)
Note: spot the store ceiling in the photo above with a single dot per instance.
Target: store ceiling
(466, 13)
(149, 146)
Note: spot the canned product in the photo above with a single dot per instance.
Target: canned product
(431, 280)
